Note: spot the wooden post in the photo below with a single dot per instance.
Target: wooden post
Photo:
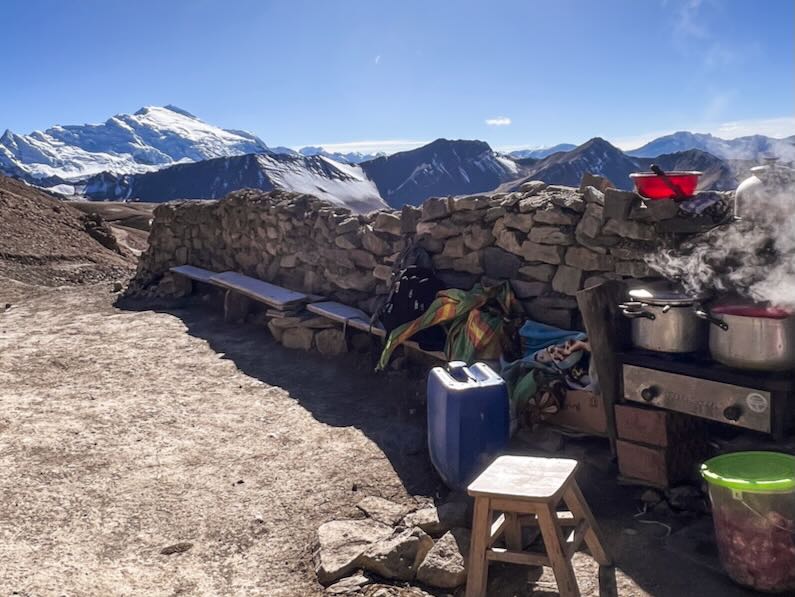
(608, 332)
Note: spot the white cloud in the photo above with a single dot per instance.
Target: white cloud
(499, 121)
(386, 146)
(377, 59)
(783, 126)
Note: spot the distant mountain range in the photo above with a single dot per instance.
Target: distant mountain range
(352, 157)
(341, 184)
(754, 147)
(541, 152)
(164, 153)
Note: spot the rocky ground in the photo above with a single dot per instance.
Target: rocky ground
(165, 452)
(46, 241)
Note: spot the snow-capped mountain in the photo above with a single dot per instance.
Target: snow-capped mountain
(353, 157)
(152, 138)
(443, 167)
(754, 147)
(341, 184)
(541, 152)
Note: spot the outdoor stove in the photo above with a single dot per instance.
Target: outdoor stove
(694, 384)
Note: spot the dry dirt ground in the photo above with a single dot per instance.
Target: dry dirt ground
(124, 432)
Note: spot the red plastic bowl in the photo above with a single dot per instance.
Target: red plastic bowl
(652, 186)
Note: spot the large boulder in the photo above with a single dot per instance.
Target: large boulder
(340, 544)
(445, 565)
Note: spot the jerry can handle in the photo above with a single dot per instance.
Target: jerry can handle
(458, 371)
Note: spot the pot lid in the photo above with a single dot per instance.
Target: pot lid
(665, 293)
(756, 472)
(753, 311)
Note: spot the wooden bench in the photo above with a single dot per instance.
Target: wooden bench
(194, 273)
(240, 290)
(348, 316)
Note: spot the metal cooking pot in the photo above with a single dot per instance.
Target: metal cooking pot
(752, 338)
(664, 319)
(755, 192)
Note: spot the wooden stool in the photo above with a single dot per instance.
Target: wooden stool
(526, 491)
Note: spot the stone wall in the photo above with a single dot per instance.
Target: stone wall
(549, 241)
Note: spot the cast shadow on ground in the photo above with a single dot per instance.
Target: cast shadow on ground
(345, 391)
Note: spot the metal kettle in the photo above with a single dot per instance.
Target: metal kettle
(765, 181)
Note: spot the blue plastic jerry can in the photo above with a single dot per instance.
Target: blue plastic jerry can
(468, 420)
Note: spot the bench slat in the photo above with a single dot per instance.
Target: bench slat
(264, 292)
(356, 318)
(192, 272)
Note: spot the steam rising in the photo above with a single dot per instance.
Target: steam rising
(753, 258)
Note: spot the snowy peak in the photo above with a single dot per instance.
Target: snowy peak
(541, 152)
(151, 138)
(753, 147)
(352, 157)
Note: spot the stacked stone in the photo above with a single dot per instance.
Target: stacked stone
(549, 241)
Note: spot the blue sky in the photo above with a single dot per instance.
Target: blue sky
(367, 74)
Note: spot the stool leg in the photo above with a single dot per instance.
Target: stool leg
(513, 532)
(477, 575)
(553, 543)
(593, 538)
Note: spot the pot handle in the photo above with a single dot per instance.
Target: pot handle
(718, 322)
(631, 311)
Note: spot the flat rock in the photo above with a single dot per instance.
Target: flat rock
(552, 254)
(349, 585)
(550, 235)
(298, 338)
(397, 557)
(595, 181)
(435, 208)
(618, 203)
(470, 203)
(331, 342)
(567, 280)
(437, 521)
(508, 240)
(588, 260)
(554, 215)
(445, 565)
(470, 264)
(532, 187)
(630, 229)
(522, 222)
(340, 544)
(524, 290)
(388, 223)
(498, 263)
(477, 238)
(382, 510)
(542, 272)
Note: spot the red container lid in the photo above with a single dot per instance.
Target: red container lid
(753, 311)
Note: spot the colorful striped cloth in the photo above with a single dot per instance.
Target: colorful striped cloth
(473, 318)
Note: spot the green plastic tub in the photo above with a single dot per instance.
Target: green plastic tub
(753, 508)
